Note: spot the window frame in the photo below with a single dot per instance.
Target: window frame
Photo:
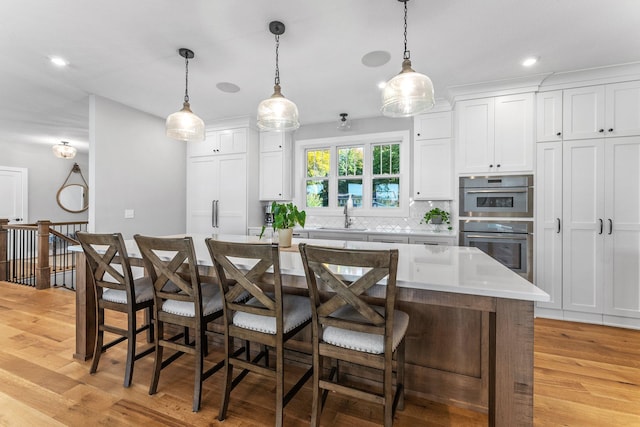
(368, 141)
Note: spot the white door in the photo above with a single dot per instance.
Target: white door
(14, 194)
(202, 191)
(583, 112)
(475, 135)
(513, 151)
(271, 175)
(622, 227)
(231, 208)
(583, 213)
(549, 225)
(623, 109)
(549, 116)
(432, 170)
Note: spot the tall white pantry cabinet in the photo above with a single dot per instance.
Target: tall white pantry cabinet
(588, 204)
(221, 197)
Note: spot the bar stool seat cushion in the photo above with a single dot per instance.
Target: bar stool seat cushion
(142, 286)
(296, 310)
(361, 341)
(211, 302)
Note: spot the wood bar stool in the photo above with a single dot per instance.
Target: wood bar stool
(346, 327)
(116, 290)
(182, 300)
(268, 318)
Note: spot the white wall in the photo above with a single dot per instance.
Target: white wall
(135, 166)
(46, 175)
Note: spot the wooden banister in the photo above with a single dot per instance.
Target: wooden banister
(3, 249)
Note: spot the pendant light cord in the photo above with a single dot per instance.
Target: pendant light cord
(407, 53)
(186, 79)
(277, 79)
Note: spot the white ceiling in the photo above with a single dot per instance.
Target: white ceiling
(126, 50)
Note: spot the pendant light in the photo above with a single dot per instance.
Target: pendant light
(409, 93)
(277, 113)
(64, 150)
(184, 125)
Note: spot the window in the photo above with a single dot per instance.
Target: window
(368, 169)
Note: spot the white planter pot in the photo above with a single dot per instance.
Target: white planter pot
(284, 237)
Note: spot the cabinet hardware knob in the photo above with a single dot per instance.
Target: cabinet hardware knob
(558, 229)
(559, 133)
(498, 165)
(610, 129)
(279, 146)
(418, 192)
(601, 130)
(490, 166)
(601, 225)
(418, 134)
(610, 225)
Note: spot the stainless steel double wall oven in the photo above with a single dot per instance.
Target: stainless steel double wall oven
(496, 216)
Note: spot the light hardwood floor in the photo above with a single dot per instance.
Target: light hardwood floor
(585, 375)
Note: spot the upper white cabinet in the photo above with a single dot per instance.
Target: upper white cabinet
(276, 166)
(495, 134)
(432, 170)
(432, 125)
(602, 111)
(228, 141)
(549, 116)
(432, 158)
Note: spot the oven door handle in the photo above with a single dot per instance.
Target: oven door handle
(500, 190)
(487, 236)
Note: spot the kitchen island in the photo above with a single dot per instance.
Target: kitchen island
(470, 337)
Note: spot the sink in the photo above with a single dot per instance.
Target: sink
(341, 229)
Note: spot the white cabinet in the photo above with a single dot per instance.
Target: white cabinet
(432, 170)
(228, 141)
(495, 135)
(583, 209)
(222, 190)
(334, 235)
(432, 125)
(599, 228)
(276, 166)
(432, 159)
(622, 227)
(548, 223)
(549, 116)
(602, 111)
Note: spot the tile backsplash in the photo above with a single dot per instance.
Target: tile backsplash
(417, 210)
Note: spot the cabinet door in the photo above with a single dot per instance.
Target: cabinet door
(475, 135)
(202, 191)
(432, 126)
(623, 109)
(432, 170)
(549, 116)
(232, 141)
(272, 176)
(272, 141)
(513, 151)
(548, 222)
(388, 238)
(622, 227)
(583, 112)
(231, 179)
(432, 241)
(217, 194)
(583, 212)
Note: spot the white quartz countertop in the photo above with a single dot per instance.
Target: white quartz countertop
(456, 269)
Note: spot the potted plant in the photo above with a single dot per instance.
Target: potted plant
(285, 217)
(437, 216)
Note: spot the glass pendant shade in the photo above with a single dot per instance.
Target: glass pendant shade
(407, 94)
(277, 113)
(185, 126)
(64, 150)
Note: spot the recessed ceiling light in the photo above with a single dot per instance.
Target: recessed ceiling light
(377, 58)
(529, 61)
(381, 85)
(228, 87)
(60, 62)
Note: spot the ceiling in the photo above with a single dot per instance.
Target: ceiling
(126, 51)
